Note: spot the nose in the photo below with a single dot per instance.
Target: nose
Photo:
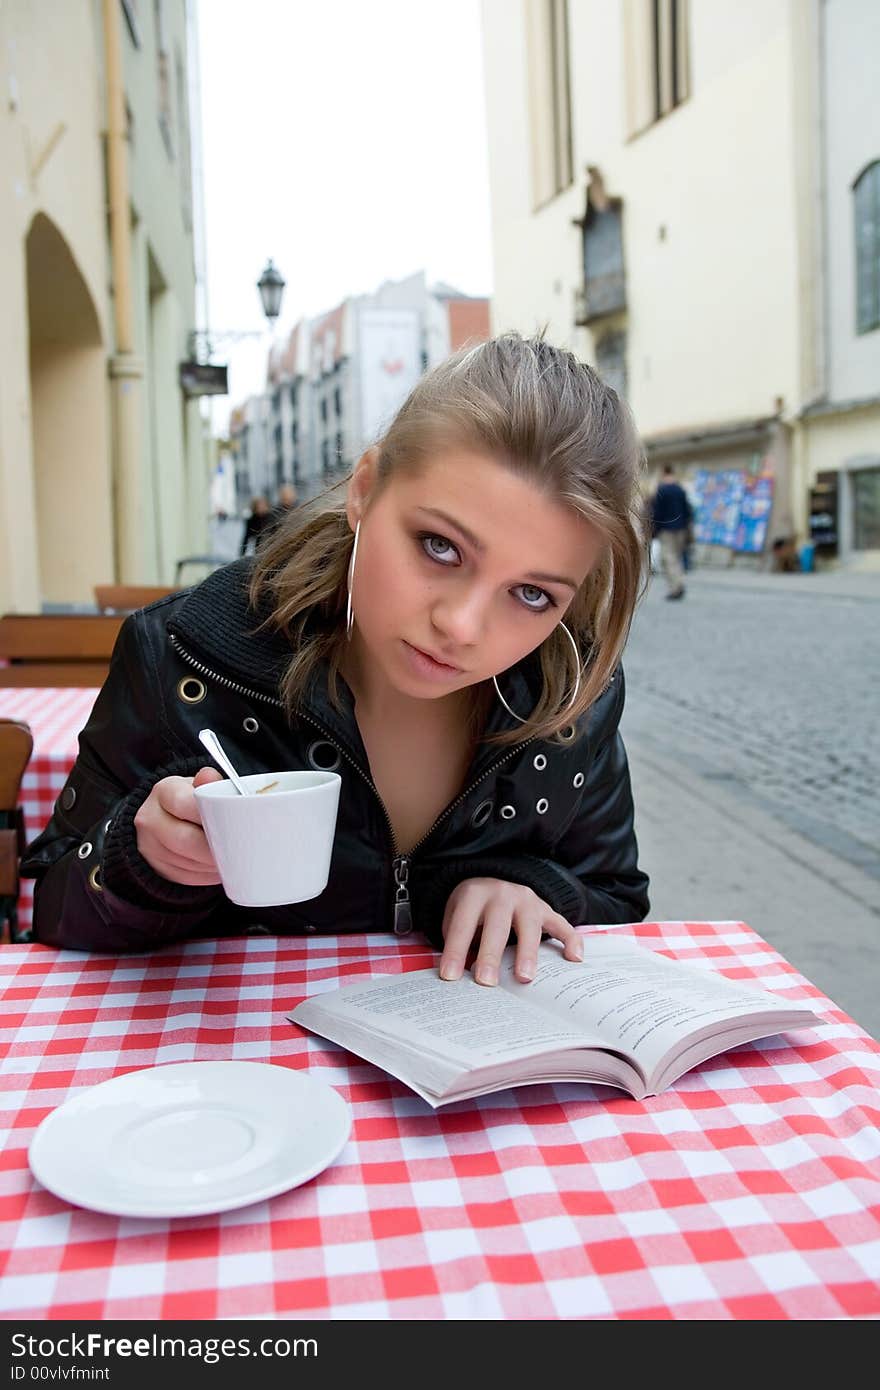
(461, 616)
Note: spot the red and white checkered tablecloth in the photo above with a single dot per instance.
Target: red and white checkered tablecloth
(750, 1190)
(55, 717)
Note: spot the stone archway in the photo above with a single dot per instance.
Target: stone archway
(69, 422)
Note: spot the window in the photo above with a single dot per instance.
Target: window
(324, 410)
(339, 450)
(656, 59)
(604, 287)
(325, 455)
(294, 433)
(549, 98)
(866, 509)
(163, 75)
(337, 401)
(611, 360)
(183, 140)
(866, 192)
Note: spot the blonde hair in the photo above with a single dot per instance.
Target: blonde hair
(550, 419)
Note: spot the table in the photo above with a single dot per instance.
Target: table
(55, 717)
(750, 1190)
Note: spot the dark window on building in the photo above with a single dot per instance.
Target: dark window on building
(670, 55)
(163, 73)
(339, 449)
(324, 410)
(337, 402)
(183, 141)
(325, 455)
(866, 192)
(604, 283)
(866, 508)
(611, 360)
(294, 432)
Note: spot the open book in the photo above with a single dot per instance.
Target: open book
(625, 1017)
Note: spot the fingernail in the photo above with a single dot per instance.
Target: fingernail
(450, 971)
(527, 970)
(487, 975)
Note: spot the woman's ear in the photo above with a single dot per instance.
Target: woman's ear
(360, 488)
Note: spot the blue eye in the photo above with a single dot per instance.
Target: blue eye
(434, 547)
(530, 592)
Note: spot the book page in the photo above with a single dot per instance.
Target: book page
(641, 1003)
(457, 1019)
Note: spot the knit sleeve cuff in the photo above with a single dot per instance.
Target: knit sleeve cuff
(556, 885)
(126, 873)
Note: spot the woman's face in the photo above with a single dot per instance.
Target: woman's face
(462, 569)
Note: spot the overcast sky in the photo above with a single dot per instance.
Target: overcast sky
(346, 140)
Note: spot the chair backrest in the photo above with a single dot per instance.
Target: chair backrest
(16, 746)
(125, 598)
(61, 649)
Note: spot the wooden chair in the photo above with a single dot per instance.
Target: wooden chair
(16, 746)
(125, 598)
(60, 649)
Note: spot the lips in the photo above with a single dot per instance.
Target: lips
(450, 666)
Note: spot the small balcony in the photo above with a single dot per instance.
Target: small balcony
(599, 298)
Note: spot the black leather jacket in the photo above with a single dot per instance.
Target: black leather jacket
(555, 816)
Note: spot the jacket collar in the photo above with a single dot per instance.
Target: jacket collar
(217, 625)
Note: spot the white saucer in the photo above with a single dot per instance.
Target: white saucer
(189, 1138)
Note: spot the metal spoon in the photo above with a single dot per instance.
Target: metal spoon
(214, 747)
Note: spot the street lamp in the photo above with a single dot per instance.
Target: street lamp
(202, 343)
(271, 286)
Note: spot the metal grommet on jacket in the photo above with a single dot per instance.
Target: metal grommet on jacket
(508, 812)
(482, 814)
(539, 762)
(568, 733)
(542, 806)
(67, 798)
(323, 756)
(191, 690)
(250, 725)
(95, 879)
(578, 780)
(84, 850)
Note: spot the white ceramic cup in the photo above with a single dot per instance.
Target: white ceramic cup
(272, 847)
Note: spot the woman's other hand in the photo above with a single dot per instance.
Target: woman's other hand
(169, 831)
(492, 909)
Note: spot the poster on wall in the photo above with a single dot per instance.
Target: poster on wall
(754, 515)
(390, 347)
(718, 498)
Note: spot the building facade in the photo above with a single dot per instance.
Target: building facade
(104, 469)
(335, 383)
(658, 202)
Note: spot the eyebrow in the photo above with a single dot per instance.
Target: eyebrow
(480, 547)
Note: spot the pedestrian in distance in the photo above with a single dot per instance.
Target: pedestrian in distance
(286, 503)
(445, 629)
(672, 517)
(260, 517)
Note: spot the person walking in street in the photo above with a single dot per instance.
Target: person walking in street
(672, 516)
(286, 503)
(259, 519)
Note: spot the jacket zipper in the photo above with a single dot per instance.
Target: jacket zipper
(400, 863)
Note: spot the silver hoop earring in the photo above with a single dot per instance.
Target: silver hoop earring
(349, 612)
(574, 693)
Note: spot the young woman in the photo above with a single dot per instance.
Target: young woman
(445, 631)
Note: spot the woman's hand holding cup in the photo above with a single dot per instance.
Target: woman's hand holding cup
(169, 831)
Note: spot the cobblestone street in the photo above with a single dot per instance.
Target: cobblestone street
(753, 728)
